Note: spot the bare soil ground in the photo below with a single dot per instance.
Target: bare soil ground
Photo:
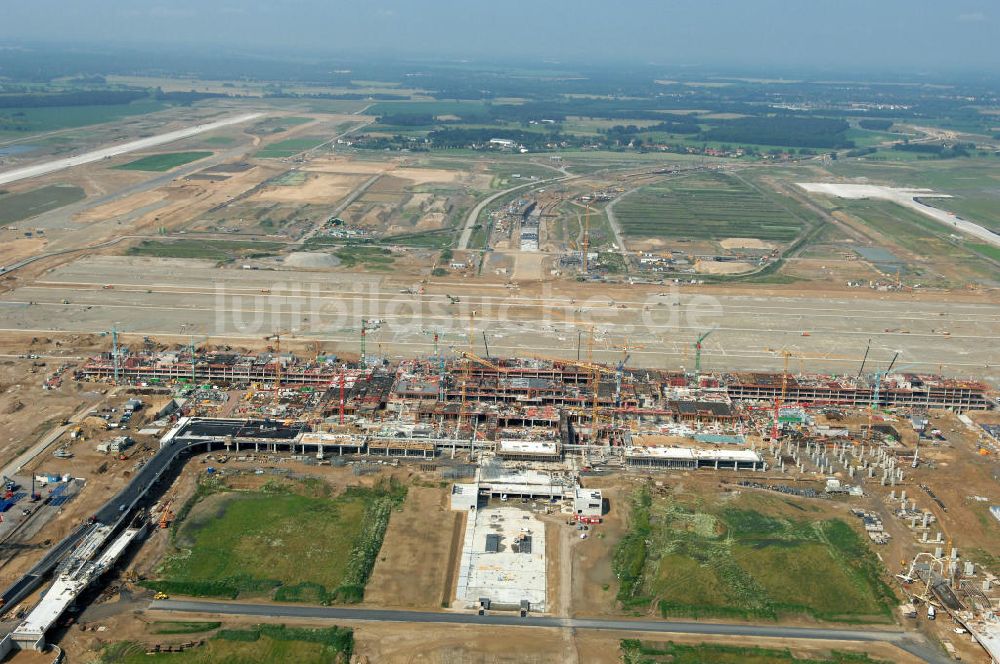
(458, 644)
(15, 249)
(322, 188)
(122, 206)
(595, 584)
(412, 568)
(729, 267)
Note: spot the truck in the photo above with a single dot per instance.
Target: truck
(931, 612)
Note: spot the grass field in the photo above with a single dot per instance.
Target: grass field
(163, 162)
(974, 183)
(15, 207)
(289, 147)
(211, 249)
(709, 206)
(635, 651)
(746, 559)
(922, 236)
(987, 250)
(182, 627)
(264, 644)
(289, 540)
(33, 120)
(374, 258)
(982, 208)
(218, 140)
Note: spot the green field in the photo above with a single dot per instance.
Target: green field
(211, 249)
(974, 183)
(635, 651)
(290, 146)
(163, 162)
(459, 108)
(747, 559)
(26, 121)
(374, 258)
(925, 238)
(264, 644)
(987, 250)
(218, 140)
(15, 207)
(182, 627)
(709, 206)
(290, 541)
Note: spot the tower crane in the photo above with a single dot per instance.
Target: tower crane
(784, 393)
(276, 337)
(877, 392)
(697, 350)
(115, 351)
(466, 355)
(191, 349)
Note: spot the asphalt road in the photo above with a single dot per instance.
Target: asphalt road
(912, 643)
(110, 513)
(470, 221)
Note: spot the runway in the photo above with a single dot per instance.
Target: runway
(163, 297)
(116, 150)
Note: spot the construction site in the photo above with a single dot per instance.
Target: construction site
(539, 456)
(341, 377)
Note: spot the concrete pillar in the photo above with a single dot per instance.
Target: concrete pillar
(926, 515)
(938, 552)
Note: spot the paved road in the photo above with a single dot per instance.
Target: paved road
(115, 150)
(110, 513)
(609, 211)
(912, 643)
(470, 221)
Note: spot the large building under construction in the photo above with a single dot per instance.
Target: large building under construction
(542, 383)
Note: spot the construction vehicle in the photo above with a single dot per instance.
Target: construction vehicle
(161, 595)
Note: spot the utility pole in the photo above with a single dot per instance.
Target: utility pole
(114, 352)
(364, 331)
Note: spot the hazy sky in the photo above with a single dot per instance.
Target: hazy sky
(880, 34)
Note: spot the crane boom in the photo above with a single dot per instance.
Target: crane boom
(697, 350)
(479, 360)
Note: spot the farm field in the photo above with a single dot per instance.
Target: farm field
(23, 122)
(289, 147)
(749, 557)
(292, 541)
(710, 206)
(27, 204)
(264, 644)
(163, 162)
(635, 651)
(210, 249)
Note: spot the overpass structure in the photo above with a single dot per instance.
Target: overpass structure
(88, 562)
(94, 546)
